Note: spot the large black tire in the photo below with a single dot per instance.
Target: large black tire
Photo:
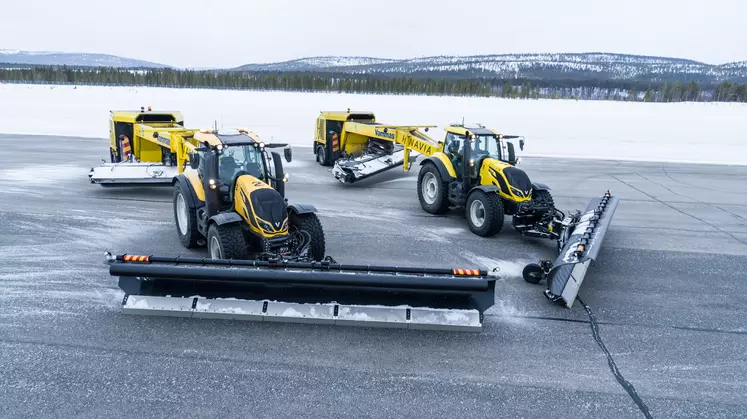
(310, 223)
(186, 223)
(227, 242)
(484, 213)
(433, 192)
(321, 155)
(543, 195)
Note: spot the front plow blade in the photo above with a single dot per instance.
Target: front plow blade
(126, 173)
(580, 251)
(377, 296)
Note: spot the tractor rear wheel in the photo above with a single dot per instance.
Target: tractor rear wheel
(432, 190)
(310, 224)
(227, 242)
(484, 213)
(186, 220)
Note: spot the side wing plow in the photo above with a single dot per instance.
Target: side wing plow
(579, 246)
(307, 292)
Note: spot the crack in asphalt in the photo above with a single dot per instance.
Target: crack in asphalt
(625, 384)
(663, 169)
(693, 198)
(681, 211)
(684, 328)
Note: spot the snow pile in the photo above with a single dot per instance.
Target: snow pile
(695, 132)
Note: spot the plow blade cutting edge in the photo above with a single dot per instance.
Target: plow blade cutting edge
(132, 174)
(307, 292)
(580, 250)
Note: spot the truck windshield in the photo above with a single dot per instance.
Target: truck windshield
(235, 159)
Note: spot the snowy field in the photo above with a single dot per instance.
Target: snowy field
(678, 132)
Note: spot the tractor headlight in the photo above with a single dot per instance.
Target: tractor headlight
(517, 192)
(265, 226)
(285, 225)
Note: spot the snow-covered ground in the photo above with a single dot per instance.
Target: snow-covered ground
(694, 132)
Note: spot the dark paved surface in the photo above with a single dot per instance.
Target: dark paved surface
(668, 291)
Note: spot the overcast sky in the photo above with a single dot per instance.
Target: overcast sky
(217, 33)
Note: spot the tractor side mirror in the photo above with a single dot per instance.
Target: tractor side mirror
(288, 154)
(521, 144)
(194, 160)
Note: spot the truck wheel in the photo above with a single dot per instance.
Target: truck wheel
(432, 190)
(310, 223)
(227, 242)
(321, 156)
(186, 220)
(484, 213)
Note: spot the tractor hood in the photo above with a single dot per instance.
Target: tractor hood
(515, 178)
(261, 206)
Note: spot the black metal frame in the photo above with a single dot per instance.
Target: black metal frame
(304, 282)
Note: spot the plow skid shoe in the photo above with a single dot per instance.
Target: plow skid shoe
(305, 292)
(351, 170)
(580, 250)
(132, 174)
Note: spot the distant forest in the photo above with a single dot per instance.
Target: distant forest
(431, 84)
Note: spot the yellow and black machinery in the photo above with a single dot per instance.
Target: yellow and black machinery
(146, 147)
(475, 169)
(359, 147)
(268, 259)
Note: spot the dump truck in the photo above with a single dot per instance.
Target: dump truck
(146, 147)
(267, 257)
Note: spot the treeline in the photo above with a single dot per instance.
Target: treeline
(381, 84)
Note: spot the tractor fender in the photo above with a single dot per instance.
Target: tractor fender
(540, 187)
(301, 208)
(445, 176)
(185, 185)
(484, 188)
(224, 218)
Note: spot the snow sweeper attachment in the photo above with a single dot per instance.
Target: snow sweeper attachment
(306, 292)
(581, 237)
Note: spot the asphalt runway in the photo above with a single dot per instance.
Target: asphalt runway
(668, 292)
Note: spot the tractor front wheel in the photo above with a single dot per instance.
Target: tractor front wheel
(227, 242)
(484, 213)
(543, 196)
(310, 224)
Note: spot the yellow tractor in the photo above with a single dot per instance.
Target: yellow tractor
(231, 198)
(476, 170)
(473, 168)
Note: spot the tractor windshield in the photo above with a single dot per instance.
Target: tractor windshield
(241, 158)
(486, 145)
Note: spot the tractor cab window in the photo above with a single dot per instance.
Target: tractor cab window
(486, 146)
(454, 148)
(243, 158)
(454, 145)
